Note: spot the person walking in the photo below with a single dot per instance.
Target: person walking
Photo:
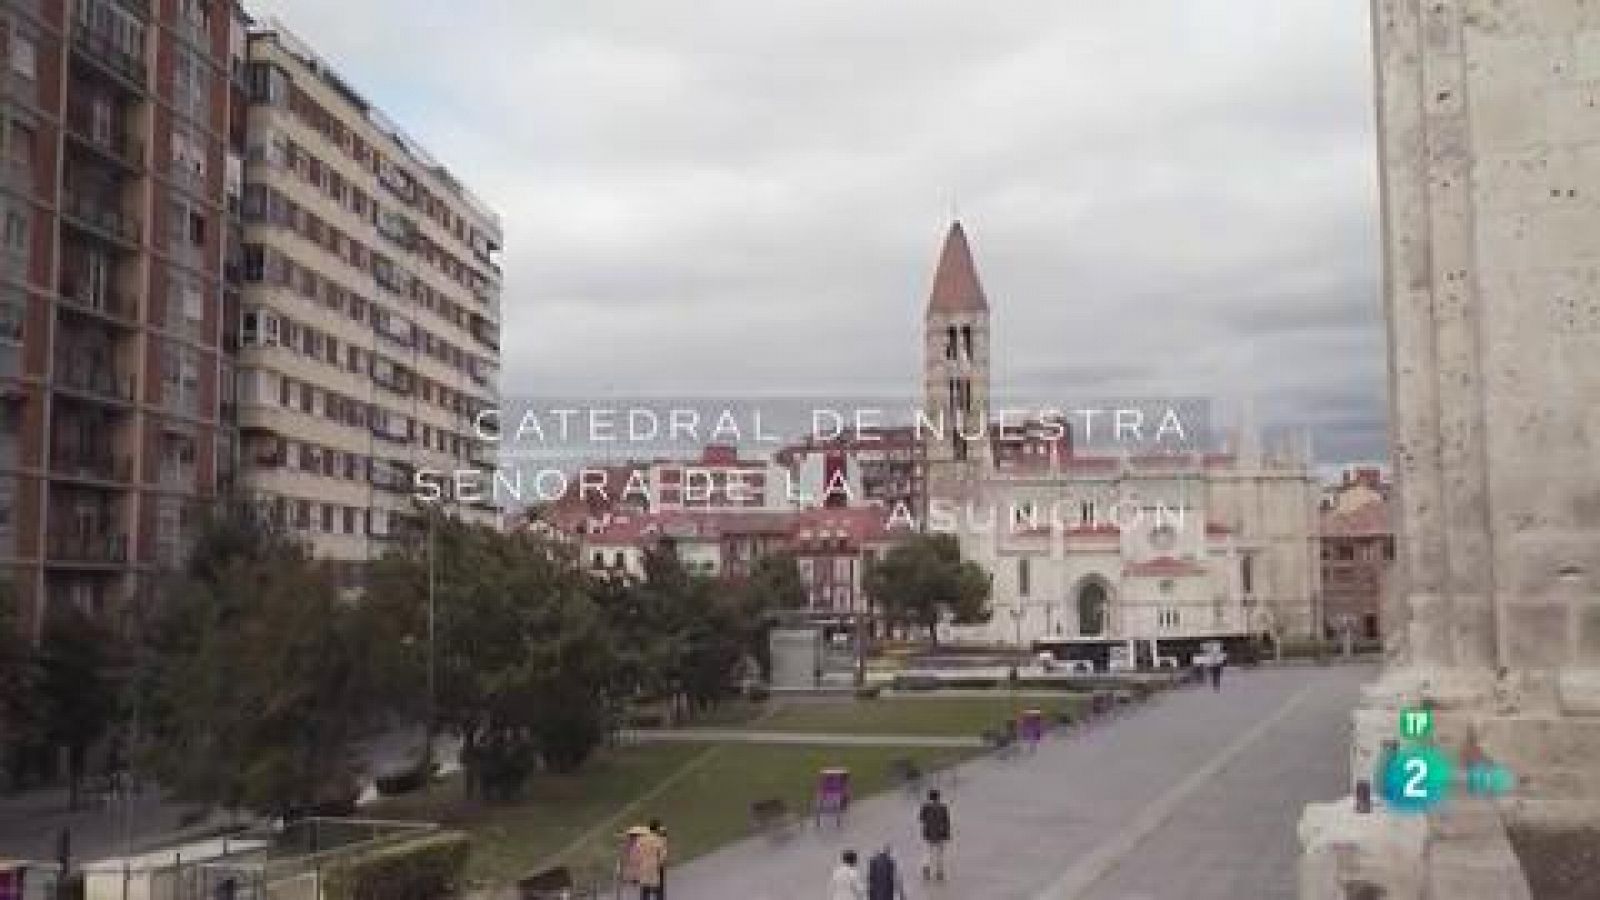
(650, 862)
(845, 883)
(1216, 671)
(935, 819)
(883, 877)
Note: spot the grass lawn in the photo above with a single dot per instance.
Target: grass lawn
(711, 806)
(707, 806)
(555, 811)
(919, 716)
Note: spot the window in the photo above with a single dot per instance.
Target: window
(16, 231)
(19, 147)
(1023, 577)
(13, 313)
(24, 60)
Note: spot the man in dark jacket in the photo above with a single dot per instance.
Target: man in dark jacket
(883, 877)
(935, 819)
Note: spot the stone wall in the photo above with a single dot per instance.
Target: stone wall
(1489, 131)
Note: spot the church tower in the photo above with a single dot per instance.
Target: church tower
(955, 369)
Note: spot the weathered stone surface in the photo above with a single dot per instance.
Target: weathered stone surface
(1489, 129)
(1349, 852)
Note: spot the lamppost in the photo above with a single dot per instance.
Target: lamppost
(1017, 612)
(433, 656)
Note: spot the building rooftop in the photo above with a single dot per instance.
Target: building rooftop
(955, 282)
(272, 29)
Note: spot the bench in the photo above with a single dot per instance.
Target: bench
(1002, 741)
(770, 816)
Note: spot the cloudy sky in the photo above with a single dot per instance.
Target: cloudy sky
(1166, 197)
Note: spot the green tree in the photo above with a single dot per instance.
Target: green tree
(523, 663)
(923, 580)
(19, 713)
(262, 680)
(693, 634)
(775, 583)
(77, 693)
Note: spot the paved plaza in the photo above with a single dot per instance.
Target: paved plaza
(1194, 797)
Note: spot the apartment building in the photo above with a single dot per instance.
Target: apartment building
(114, 131)
(369, 325)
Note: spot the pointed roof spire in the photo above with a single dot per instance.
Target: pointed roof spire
(955, 282)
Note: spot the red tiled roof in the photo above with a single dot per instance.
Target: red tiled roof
(955, 282)
(1162, 566)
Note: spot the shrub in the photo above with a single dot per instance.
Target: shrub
(427, 868)
(758, 693)
(916, 683)
(868, 692)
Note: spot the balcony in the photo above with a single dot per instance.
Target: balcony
(19, 176)
(104, 54)
(114, 144)
(390, 477)
(177, 475)
(96, 382)
(10, 360)
(398, 381)
(92, 466)
(100, 218)
(110, 305)
(402, 337)
(486, 333)
(386, 431)
(87, 549)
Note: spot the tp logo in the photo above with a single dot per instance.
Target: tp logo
(1416, 724)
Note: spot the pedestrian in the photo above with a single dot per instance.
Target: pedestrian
(650, 862)
(883, 877)
(1216, 674)
(846, 881)
(935, 818)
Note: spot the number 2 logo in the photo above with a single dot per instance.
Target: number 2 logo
(1416, 778)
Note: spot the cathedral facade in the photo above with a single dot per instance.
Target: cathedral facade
(1125, 556)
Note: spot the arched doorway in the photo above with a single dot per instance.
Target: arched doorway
(1093, 603)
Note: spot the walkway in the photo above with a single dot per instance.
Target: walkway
(747, 736)
(1195, 796)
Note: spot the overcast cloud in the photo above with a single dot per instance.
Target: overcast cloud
(1165, 197)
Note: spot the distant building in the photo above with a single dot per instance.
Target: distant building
(369, 335)
(1135, 555)
(881, 467)
(1357, 539)
(832, 547)
(1357, 486)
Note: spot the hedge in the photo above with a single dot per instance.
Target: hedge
(426, 868)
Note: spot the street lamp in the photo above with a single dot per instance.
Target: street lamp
(433, 657)
(1017, 613)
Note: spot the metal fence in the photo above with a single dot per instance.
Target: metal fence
(288, 863)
